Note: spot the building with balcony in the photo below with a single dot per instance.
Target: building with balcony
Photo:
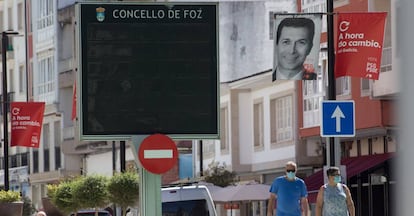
(264, 124)
(12, 18)
(369, 155)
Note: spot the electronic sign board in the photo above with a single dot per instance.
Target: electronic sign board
(147, 68)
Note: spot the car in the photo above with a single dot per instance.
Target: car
(192, 200)
(91, 212)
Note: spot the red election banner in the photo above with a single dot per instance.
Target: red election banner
(359, 44)
(26, 123)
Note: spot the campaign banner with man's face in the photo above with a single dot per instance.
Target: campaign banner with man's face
(26, 123)
(359, 44)
(296, 46)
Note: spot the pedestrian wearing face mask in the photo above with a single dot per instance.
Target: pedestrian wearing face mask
(290, 194)
(334, 198)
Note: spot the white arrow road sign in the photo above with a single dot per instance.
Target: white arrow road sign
(338, 118)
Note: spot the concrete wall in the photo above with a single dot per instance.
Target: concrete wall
(245, 45)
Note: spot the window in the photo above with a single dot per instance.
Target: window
(272, 22)
(209, 148)
(13, 161)
(20, 16)
(36, 161)
(365, 87)
(45, 13)
(258, 125)
(25, 159)
(10, 18)
(46, 146)
(1, 23)
(312, 97)
(281, 111)
(343, 86)
(11, 80)
(57, 144)
(224, 128)
(386, 59)
(340, 3)
(22, 80)
(46, 80)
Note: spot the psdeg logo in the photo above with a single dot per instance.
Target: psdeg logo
(100, 14)
(344, 26)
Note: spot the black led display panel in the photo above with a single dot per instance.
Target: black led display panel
(148, 68)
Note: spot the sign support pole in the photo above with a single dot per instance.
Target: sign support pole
(4, 40)
(150, 184)
(5, 43)
(331, 76)
(150, 193)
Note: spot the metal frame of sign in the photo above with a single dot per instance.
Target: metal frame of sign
(142, 119)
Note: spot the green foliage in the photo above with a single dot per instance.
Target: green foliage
(91, 191)
(95, 191)
(218, 175)
(123, 189)
(51, 190)
(63, 197)
(9, 196)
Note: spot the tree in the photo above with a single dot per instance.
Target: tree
(123, 190)
(62, 196)
(219, 175)
(91, 192)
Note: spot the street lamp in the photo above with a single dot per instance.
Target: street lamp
(5, 43)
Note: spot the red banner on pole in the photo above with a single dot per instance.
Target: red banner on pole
(26, 123)
(359, 44)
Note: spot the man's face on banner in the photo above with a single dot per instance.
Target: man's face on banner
(293, 47)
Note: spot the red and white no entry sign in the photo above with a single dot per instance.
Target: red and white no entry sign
(158, 153)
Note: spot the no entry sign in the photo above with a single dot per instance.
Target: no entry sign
(158, 153)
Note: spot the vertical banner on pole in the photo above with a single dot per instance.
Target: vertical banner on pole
(26, 123)
(359, 44)
(296, 46)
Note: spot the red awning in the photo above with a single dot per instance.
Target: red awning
(354, 166)
(313, 183)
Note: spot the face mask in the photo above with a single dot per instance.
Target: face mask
(290, 175)
(337, 179)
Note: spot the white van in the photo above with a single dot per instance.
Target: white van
(193, 200)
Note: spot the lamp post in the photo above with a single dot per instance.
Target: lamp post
(5, 43)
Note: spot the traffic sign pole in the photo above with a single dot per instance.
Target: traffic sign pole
(150, 184)
(156, 153)
(331, 68)
(150, 193)
(337, 120)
